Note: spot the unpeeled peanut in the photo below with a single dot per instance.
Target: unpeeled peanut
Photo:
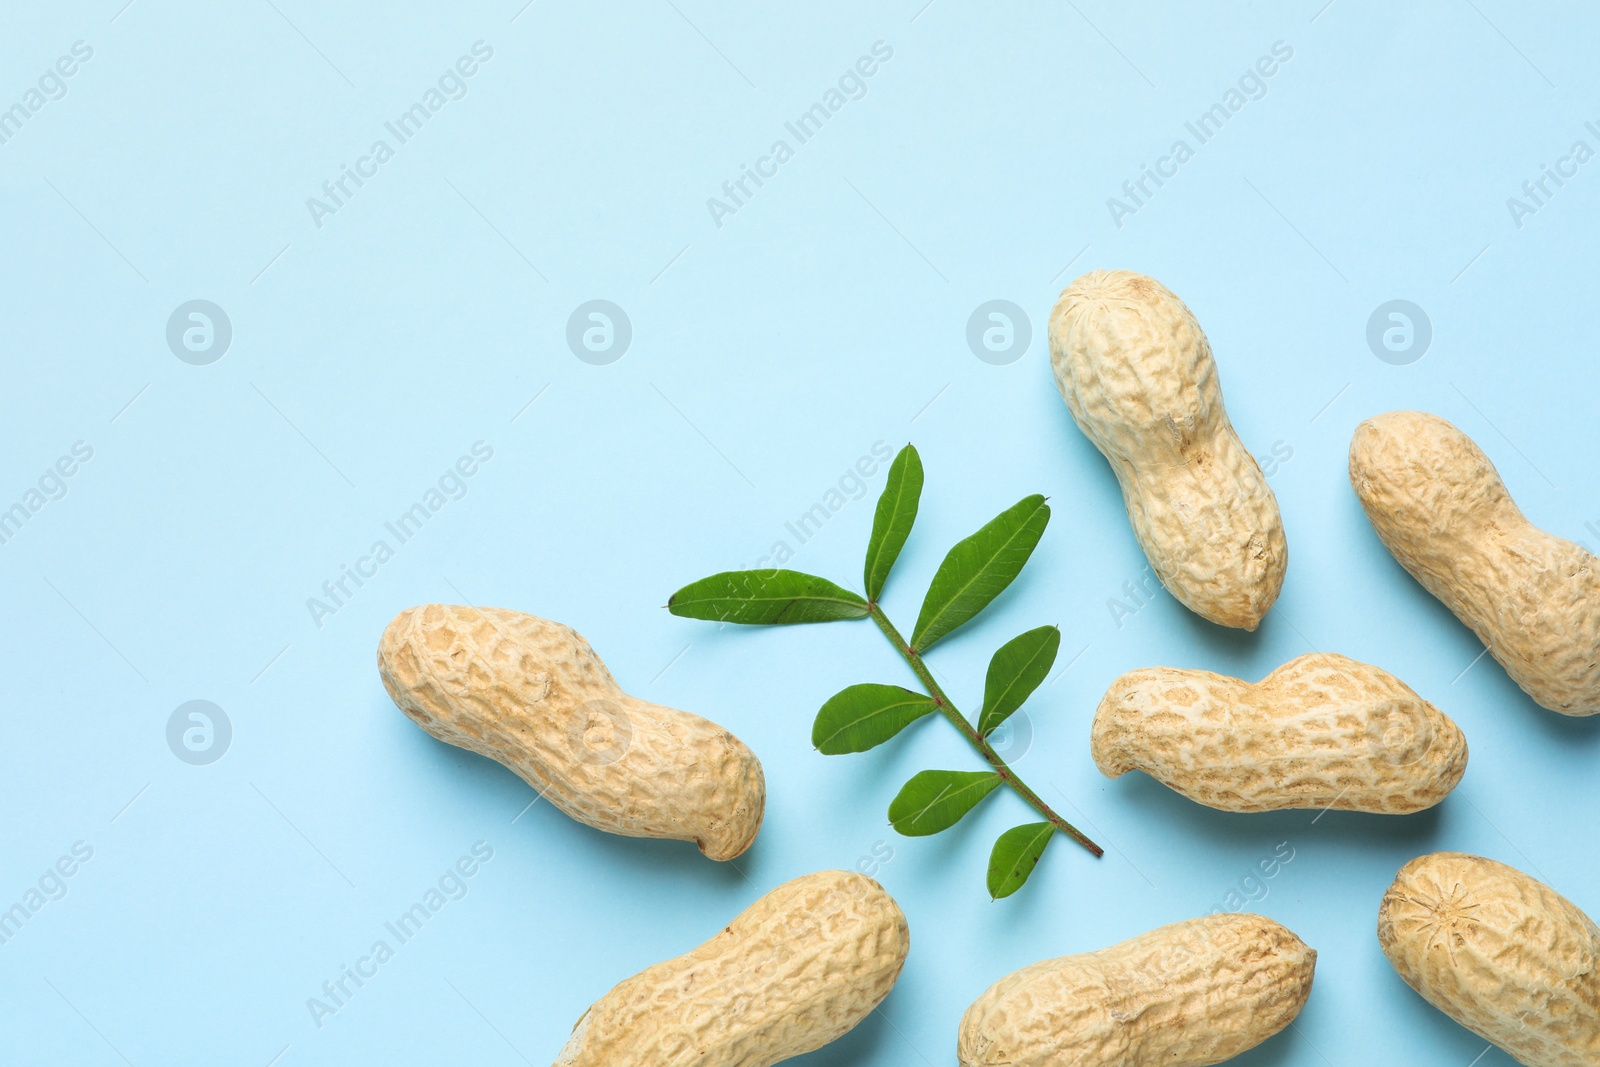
(1137, 374)
(533, 695)
(1322, 731)
(1186, 995)
(795, 971)
(1499, 952)
(1440, 507)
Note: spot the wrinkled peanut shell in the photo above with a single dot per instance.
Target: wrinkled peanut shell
(532, 694)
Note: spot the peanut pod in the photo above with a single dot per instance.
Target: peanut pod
(1137, 374)
(1186, 995)
(532, 694)
(797, 970)
(1499, 952)
(1440, 508)
(1322, 731)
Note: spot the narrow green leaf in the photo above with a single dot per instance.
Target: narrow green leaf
(865, 716)
(1015, 672)
(978, 569)
(1015, 856)
(936, 800)
(764, 598)
(891, 525)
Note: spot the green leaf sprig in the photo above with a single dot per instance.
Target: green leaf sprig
(861, 717)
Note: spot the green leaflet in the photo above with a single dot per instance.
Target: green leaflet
(979, 568)
(865, 716)
(1015, 672)
(1015, 856)
(891, 524)
(763, 598)
(936, 800)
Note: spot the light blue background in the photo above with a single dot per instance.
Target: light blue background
(768, 355)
